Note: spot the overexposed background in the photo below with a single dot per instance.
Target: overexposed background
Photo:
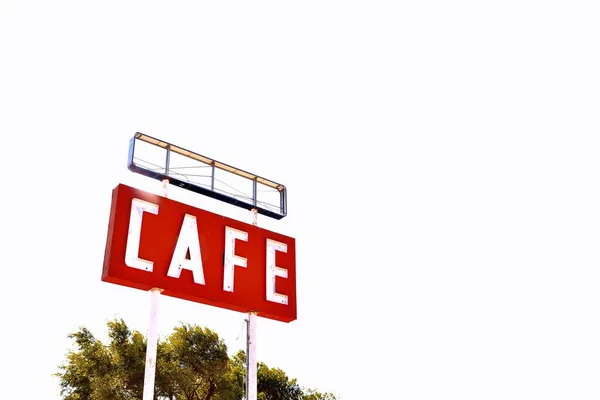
(441, 160)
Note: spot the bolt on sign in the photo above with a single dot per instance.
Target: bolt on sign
(199, 256)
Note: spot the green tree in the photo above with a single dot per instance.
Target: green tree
(274, 384)
(81, 367)
(128, 355)
(232, 384)
(197, 360)
(99, 372)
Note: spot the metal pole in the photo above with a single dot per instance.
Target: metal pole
(247, 360)
(152, 345)
(212, 176)
(168, 160)
(251, 358)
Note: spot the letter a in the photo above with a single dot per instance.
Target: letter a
(188, 239)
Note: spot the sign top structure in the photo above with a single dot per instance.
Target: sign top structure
(158, 159)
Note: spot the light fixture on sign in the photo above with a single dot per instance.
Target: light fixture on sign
(161, 160)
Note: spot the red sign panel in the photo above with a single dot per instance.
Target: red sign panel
(196, 255)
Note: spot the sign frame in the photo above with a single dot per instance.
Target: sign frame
(160, 235)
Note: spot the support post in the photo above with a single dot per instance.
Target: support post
(251, 367)
(151, 346)
(168, 160)
(247, 362)
(212, 176)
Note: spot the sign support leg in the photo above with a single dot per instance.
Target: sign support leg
(251, 370)
(151, 346)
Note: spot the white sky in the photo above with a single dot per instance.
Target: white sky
(441, 160)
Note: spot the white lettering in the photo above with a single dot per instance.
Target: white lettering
(231, 259)
(132, 249)
(187, 240)
(274, 271)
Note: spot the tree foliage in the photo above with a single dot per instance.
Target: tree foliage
(275, 384)
(192, 364)
(195, 360)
